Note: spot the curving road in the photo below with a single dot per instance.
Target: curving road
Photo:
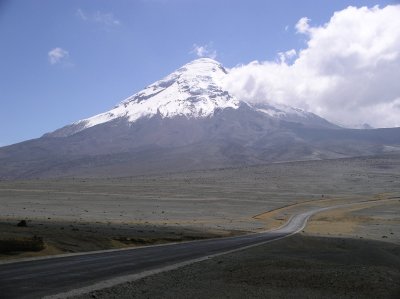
(39, 278)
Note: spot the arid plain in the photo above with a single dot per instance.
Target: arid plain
(359, 245)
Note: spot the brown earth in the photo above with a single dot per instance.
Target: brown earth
(296, 267)
(64, 237)
(335, 257)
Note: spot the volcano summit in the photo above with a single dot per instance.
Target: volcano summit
(186, 121)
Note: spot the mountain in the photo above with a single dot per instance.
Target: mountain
(193, 91)
(187, 121)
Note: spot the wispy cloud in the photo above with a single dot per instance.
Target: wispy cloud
(302, 26)
(81, 14)
(57, 56)
(104, 18)
(204, 51)
(285, 57)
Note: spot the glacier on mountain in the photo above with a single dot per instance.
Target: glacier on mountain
(195, 90)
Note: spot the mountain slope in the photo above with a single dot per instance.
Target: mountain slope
(193, 91)
(187, 121)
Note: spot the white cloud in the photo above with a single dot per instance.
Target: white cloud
(106, 19)
(204, 51)
(287, 56)
(302, 25)
(57, 55)
(81, 14)
(348, 73)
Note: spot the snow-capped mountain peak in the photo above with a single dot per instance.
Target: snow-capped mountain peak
(193, 90)
(291, 114)
(187, 121)
(196, 90)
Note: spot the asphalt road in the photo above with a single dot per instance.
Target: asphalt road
(38, 278)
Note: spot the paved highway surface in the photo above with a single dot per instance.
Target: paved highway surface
(38, 278)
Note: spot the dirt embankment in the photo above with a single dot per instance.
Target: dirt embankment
(65, 237)
(296, 267)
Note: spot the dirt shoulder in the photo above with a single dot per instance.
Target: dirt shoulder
(62, 237)
(296, 267)
(379, 220)
(337, 256)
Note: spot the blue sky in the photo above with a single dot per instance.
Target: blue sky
(109, 50)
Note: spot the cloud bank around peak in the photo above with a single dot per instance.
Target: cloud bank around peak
(348, 72)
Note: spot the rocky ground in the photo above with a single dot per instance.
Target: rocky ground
(297, 267)
(355, 262)
(72, 237)
(343, 253)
